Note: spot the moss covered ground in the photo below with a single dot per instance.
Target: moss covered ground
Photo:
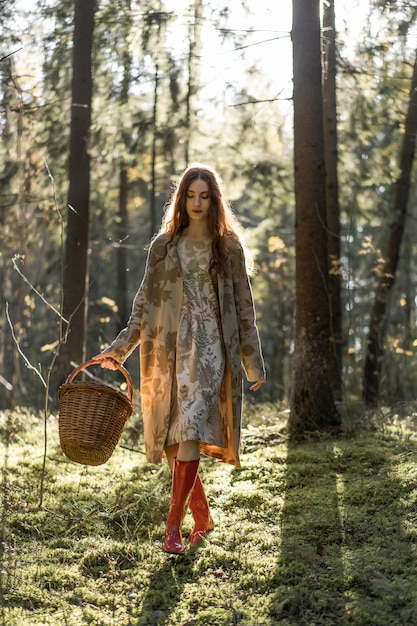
(323, 533)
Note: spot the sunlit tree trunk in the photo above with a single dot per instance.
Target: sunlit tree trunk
(152, 204)
(123, 221)
(377, 326)
(9, 291)
(154, 25)
(312, 403)
(75, 278)
(194, 51)
(332, 194)
(121, 250)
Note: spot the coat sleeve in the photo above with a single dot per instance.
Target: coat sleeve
(129, 338)
(250, 345)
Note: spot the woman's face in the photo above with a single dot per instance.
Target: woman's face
(197, 200)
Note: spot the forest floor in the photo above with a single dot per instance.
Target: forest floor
(323, 533)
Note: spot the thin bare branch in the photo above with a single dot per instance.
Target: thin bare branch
(26, 360)
(11, 54)
(27, 281)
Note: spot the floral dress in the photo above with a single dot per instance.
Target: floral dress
(200, 361)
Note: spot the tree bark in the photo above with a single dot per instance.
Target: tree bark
(121, 250)
(123, 219)
(75, 274)
(312, 403)
(380, 310)
(194, 51)
(332, 195)
(152, 199)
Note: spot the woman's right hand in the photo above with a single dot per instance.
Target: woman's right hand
(106, 362)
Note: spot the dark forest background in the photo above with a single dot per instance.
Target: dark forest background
(153, 112)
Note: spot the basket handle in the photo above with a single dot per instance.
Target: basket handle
(119, 366)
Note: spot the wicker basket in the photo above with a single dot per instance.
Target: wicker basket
(92, 417)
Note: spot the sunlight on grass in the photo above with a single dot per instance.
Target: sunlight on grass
(322, 533)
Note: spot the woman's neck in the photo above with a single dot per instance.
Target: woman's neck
(197, 230)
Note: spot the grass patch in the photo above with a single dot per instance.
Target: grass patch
(323, 533)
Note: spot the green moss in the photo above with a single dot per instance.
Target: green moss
(322, 533)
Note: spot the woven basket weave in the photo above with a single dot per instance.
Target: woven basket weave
(92, 417)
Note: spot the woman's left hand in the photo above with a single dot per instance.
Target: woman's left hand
(257, 385)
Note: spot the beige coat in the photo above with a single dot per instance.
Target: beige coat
(154, 322)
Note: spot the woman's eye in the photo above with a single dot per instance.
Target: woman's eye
(202, 197)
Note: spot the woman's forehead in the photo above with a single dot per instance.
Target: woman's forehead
(198, 186)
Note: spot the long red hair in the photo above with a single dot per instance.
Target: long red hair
(222, 222)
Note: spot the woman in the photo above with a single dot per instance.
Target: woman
(195, 321)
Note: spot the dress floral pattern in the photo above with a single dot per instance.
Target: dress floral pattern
(200, 355)
(154, 323)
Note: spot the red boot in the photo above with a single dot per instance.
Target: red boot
(200, 509)
(183, 478)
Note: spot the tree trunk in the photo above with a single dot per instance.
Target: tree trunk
(152, 204)
(332, 193)
(312, 403)
(377, 326)
(121, 251)
(194, 52)
(123, 221)
(75, 276)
